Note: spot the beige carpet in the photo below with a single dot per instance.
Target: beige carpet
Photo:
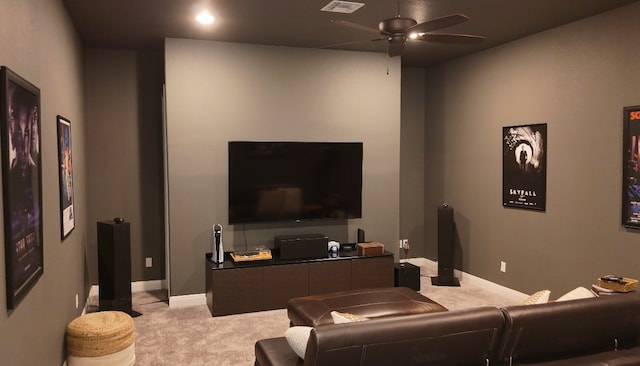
(191, 336)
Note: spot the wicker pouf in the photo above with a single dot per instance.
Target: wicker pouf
(103, 338)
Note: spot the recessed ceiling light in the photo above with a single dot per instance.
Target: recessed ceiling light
(205, 18)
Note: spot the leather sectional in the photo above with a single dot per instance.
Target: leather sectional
(596, 331)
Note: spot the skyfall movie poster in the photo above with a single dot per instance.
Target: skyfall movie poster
(524, 166)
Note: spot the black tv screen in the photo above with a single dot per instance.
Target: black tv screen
(291, 181)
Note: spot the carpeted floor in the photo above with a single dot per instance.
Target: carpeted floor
(191, 336)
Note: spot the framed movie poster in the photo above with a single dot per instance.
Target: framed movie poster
(631, 167)
(524, 166)
(67, 215)
(22, 184)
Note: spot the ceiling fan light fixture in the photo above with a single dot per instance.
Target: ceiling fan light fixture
(204, 17)
(400, 30)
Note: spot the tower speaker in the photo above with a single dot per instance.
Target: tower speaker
(361, 236)
(114, 265)
(445, 248)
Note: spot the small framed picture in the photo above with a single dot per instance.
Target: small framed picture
(67, 214)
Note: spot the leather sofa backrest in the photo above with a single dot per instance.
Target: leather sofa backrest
(534, 333)
(463, 337)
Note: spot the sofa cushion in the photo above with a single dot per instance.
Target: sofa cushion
(577, 293)
(339, 318)
(539, 297)
(297, 337)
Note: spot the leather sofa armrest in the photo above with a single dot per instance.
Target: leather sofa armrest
(275, 352)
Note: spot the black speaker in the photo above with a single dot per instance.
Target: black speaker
(360, 236)
(302, 246)
(114, 265)
(445, 248)
(406, 275)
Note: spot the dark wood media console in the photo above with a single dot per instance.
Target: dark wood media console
(234, 288)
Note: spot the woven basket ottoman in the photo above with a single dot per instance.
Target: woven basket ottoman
(102, 338)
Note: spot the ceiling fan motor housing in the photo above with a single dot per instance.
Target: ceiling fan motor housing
(398, 25)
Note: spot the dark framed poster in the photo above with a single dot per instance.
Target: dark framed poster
(22, 184)
(631, 167)
(67, 214)
(524, 166)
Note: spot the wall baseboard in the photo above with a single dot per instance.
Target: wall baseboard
(136, 286)
(429, 267)
(187, 300)
(139, 286)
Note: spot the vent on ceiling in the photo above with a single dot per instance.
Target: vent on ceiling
(346, 7)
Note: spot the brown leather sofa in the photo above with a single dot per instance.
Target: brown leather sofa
(598, 331)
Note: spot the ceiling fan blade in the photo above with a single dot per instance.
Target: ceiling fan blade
(450, 38)
(395, 49)
(438, 23)
(334, 45)
(353, 25)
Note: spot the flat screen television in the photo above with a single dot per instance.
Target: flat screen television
(293, 181)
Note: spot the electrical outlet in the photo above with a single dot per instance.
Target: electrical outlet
(400, 242)
(405, 244)
(149, 262)
(77, 301)
(503, 266)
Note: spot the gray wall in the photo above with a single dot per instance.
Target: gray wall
(217, 92)
(412, 160)
(37, 40)
(124, 109)
(576, 78)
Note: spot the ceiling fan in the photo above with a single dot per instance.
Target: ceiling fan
(399, 29)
